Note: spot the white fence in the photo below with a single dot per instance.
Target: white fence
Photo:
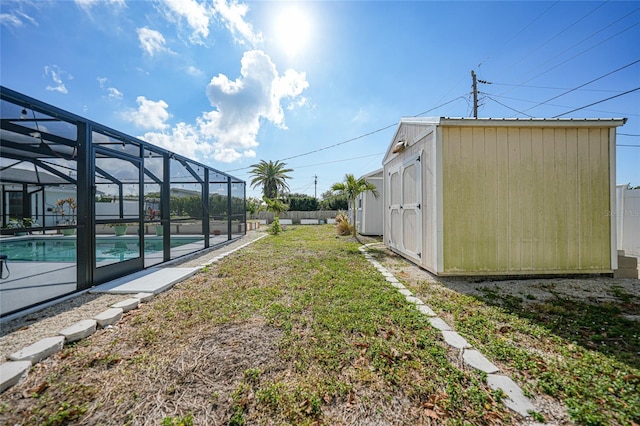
(296, 216)
(628, 219)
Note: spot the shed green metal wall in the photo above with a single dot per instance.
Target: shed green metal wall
(526, 200)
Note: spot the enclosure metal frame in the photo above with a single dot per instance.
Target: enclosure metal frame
(85, 191)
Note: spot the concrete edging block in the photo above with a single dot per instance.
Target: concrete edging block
(476, 360)
(79, 330)
(516, 400)
(12, 372)
(39, 350)
(144, 297)
(127, 305)
(424, 309)
(454, 339)
(108, 317)
(439, 324)
(414, 300)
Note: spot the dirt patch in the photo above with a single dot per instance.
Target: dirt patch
(199, 379)
(590, 288)
(203, 378)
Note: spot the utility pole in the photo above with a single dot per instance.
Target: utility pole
(315, 186)
(475, 94)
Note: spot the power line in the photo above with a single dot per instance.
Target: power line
(557, 35)
(551, 88)
(584, 51)
(507, 106)
(352, 139)
(598, 102)
(558, 105)
(627, 134)
(580, 42)
(585, 84)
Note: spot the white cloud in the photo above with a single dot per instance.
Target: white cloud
(232, 14)
(191, 70)
(149, 115)
(183, 139)
(86, 5)
(196, 14)
(10, 20)
(112, 92)
(56, 74)
(362, 116)
(151, 41)
(16, 19)
(229, 132)
(242, 103)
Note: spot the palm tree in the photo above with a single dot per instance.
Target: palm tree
(272, 176)
(351, 188)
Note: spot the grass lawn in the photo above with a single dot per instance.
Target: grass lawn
(300, 329)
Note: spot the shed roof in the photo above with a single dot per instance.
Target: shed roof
(501, 122)
(470, 121)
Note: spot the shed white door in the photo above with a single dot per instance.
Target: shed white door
(405, 210)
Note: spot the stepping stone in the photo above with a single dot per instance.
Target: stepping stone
(387, 274)
(12, 372)
(405, 291)
(392, 279)
(144, 297)
(454, 339)
(476, 360)
(79, 330)
(39, 350)
(426, 310)
(414, 300)
(398, 285)
(439, 324)
(108, 317)
(515, 397)
(127, 305)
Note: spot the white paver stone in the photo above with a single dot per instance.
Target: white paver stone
(426, 310)
(516, 399)
(79, 330)
(398, 285)
(144, 297)
(11, 372)
(392, 279)
(108, 317)
(454, 339)
(439, 324)
(414, 300)
(387, 274)
(405, 291)
(127, 305)
(476, 360)
(39, 350)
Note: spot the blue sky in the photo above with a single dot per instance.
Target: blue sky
(231, 83)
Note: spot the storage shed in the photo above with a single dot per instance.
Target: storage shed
(467, 196)
(369, 215)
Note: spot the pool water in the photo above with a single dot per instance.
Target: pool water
(63, 249)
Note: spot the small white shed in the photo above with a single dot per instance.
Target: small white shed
(467, 196)
(627, 213)
(369, 217)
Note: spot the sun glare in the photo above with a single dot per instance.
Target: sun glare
(292, 29)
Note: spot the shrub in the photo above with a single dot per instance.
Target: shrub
(343, 227)
(275, 227)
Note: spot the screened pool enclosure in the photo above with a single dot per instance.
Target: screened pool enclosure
(82, 204)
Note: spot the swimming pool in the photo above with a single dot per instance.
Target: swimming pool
(63, 249)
